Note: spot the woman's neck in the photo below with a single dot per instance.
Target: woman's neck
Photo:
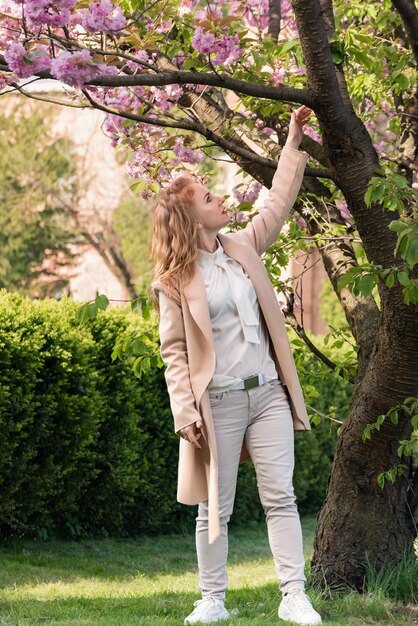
(208, 242)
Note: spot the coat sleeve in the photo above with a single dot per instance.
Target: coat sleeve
(265, 227)
(174, 354)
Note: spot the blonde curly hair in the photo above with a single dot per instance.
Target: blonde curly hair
(175, 238)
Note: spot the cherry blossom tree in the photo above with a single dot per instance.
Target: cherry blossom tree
(180, 80)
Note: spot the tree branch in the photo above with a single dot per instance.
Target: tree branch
(202, 130)
(274, 18)
(290, 317)
(352, 156)
(178, 77)
(320, 66)
(328, 16)
(409, 14)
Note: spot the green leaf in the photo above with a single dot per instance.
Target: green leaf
(410, 294)
(365, 284)
(139, 186)
(145, 309)
(403, 278)
(83, 313)
(102, 301)
(396, 225)
(137, 366)
(93, 309)
(403, 83)
(368, 196)
(116, 351)
(405, 449)
(139, 347)
(390, 280)
(394, 417)
(367, 433)
(379, 421)
(347, 278)
(288, 45)
(337, 56)
(155, 187)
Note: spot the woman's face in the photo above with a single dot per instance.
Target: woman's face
(209, 209)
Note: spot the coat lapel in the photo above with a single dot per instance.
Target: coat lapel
(195, 294)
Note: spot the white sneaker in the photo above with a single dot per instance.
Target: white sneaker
(208, 609)
(296, 607)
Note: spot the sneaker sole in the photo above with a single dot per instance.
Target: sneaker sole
(213, 621)
(284, 615)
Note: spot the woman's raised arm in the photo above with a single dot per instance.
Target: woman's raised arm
(262, 231)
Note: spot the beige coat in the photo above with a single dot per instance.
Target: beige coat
(187, 343)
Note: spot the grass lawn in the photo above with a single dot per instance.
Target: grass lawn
(149, 581)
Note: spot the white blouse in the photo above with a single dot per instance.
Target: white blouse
(240, 337)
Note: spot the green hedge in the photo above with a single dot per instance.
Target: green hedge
(88, 449)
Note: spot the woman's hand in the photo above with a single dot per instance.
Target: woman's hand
(189, 433)
(298, 120)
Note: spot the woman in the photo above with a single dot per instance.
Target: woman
(233, 386)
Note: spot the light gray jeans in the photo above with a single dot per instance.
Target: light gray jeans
(262, 416)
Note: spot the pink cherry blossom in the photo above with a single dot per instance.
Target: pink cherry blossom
(163, 27)
(278, 76)
(241, 217)
(298, 71)
(250, 195)
(103, 16)
(387, 107)
(300, 220)
(210, 12)
(77, 68)
(202, 41)
(179, 59)
(166, 98)
(26, 63)
(249, 61)
(186, 155)
(135, 67)
(226, 46)
(256, 13)
(264, 129)
(188, 4)
(48, 12)
(228, 50)
(7, 32)
(343, 209)
(311, 132)
(8, 25)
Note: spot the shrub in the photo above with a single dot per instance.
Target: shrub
(49, 412)
(89, 449)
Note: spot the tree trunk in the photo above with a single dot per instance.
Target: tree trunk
(359, 520)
